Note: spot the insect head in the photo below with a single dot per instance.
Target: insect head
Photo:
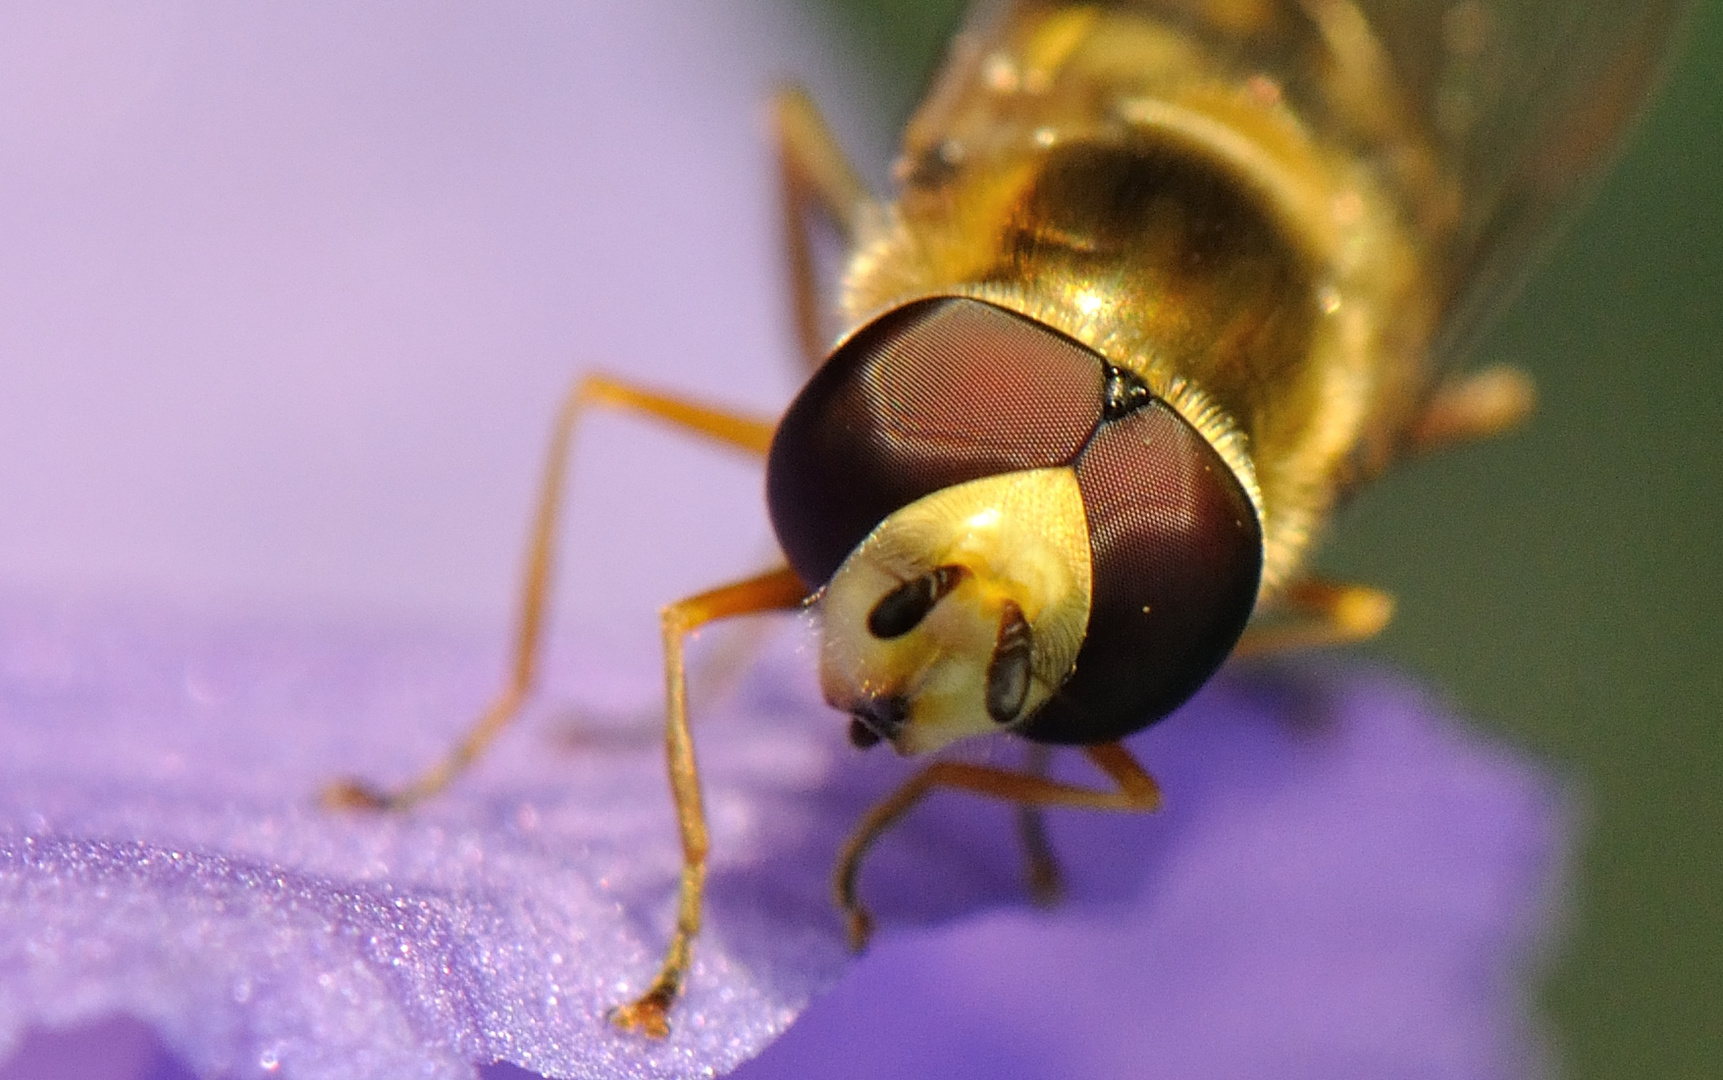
(1011, 533)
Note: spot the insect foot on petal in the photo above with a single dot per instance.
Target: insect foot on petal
(859, 926)
(648, 1016)
(352, 795)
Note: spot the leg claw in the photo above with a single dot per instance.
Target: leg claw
(648, 1017)
(860, 926)
(1046, 886)
(353, 795)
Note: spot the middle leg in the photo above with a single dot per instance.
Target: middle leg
(1316, 613)
(814, 176)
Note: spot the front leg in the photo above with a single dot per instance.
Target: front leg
(749, 434)
(1041, 871)
(648, 1014)
(1135, 791)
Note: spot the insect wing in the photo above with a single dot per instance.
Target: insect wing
(1491, 118)
(1527, 101)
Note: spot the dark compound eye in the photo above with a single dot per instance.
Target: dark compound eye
(1008, 671)
(902, 609)
(1176, 554)
(936, 393)
(947, 390)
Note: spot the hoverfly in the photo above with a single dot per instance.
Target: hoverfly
(1160, 281)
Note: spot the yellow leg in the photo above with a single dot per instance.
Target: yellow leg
(776, 590)
(1313, 614)
(814, 175)
(1316, 613)
(746, 433)
(1041, 870)
(1135, 792)
(1475, 406)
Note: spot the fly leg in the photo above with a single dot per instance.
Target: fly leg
(1041, 872)
(1314, 614)
(779, 589)
(1472, 406)
(814, 175)
(745, 433)
(1134, 791)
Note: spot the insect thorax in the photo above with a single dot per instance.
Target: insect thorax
(1093, 172)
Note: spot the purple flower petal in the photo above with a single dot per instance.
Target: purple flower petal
(1344, 883)
(161, 855)
(1342, 879)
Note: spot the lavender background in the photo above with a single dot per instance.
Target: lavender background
(289, 293)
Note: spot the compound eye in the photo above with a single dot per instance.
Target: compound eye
(936, 393)
(1008, 671)
(1177, 559)
(902, 609)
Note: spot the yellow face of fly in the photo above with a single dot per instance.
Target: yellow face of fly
(961, 613)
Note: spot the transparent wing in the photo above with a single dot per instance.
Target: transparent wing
(1526, 100)
(1495, 113)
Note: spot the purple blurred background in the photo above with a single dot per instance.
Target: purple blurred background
(289, 294)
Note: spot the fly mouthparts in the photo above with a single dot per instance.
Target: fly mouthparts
(875, 718)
